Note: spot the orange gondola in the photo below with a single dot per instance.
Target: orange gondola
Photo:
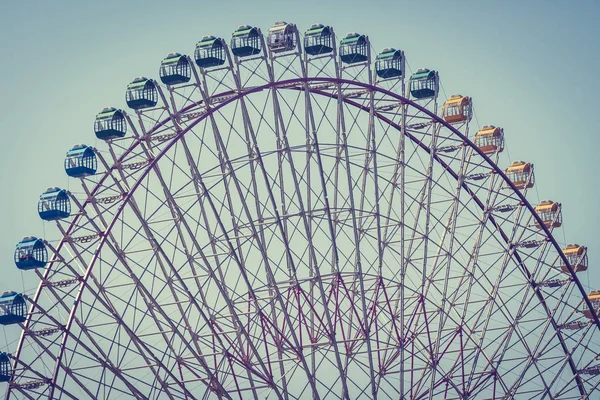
(457, 109)
(576, 256)
(521, 174)
(490, 139)
(550, 214)
(594, 298)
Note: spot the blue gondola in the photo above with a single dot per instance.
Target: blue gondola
(141, 93)
(318, 40)
(81, 161)
(245, 41)
(13, 309)
(5, 368)
(110, 124)
(31, 253)
(424, 84)
(389, 63)
(354, 48)
(175, 69)
(54, 204)
(209, 52)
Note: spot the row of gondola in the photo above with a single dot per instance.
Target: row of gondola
(247, 41)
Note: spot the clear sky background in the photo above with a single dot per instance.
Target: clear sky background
(531, 67)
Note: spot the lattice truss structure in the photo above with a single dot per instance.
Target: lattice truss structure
(287, 225)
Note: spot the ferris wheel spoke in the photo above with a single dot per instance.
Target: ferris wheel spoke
(549, 314)
(65, 335)
(477, 245)
(95, 344)
(342, 143)
(161, 330)
(238, 189)
(425, 203)
(330, 219)
(450, 230)
(35, 381)
(218, 136)
(396, 165)
(54, 325)
(312, 129)
(127, 349)
(182, 218)
(165, 258)
(492, 300)
(173, 207)
(506, 259)
(398, 181)
(371, 164)
(546, 341)
(306, 222)
(507, 340)
(345, 391)
(278, 221)
(100, 356)
(253, 295)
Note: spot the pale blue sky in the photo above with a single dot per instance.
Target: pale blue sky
(531, 67)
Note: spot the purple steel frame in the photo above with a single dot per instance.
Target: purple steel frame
(289, 84)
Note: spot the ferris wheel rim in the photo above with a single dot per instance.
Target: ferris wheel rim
(277, 85)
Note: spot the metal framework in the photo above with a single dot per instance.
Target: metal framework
(290, 226)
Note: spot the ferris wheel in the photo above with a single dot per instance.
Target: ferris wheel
(290, 217)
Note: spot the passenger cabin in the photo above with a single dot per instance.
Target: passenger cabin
(175, 69)
(54, 204)
(550, 214)
(576, 255)
(5, 368)
(282, 37)
(521, 174)
(423, 84)
(594, 298)
(31, 253)
(318, 39)
(13, 309)
(389, 63)
(354, 48)
(81, 161)
(210, 52)
(110, 124)
(141, 93)
(490, 139)
(245, 41)
(457, 109)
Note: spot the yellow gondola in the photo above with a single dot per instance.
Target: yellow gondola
(594, 298)
(521, 174)
(550, 213)
(577, 257)
(490, 139)
(457, 109)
